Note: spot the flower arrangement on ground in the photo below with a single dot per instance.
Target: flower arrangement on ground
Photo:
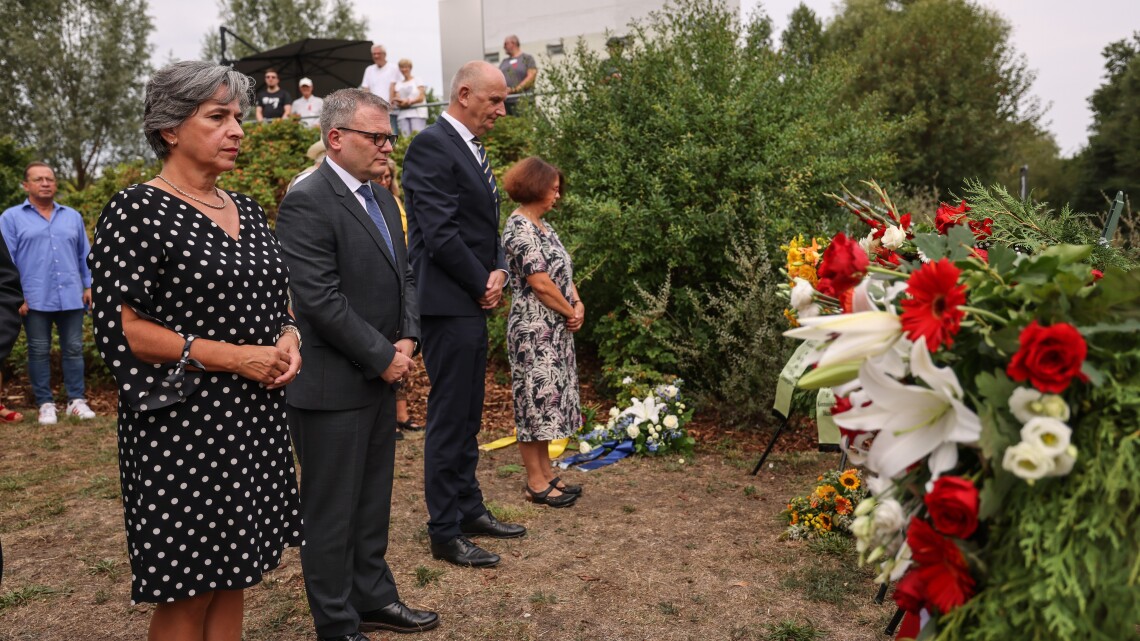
(994, 400)
(830, 508)
(652, 425)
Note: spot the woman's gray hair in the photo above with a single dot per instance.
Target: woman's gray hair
(175, 92)
(340, 106)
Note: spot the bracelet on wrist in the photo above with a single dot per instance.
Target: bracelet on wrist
(290, 329)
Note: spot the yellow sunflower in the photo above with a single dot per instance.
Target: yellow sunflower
(850, 480)
(826, 491)
(823, 522)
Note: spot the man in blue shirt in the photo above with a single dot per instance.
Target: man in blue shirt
(49, 245)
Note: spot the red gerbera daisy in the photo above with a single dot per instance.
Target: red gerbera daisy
(931, 309)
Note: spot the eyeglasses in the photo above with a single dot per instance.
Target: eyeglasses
(41, 180)
(376, 138)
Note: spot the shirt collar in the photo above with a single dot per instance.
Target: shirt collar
(464, 132)
(349, 180)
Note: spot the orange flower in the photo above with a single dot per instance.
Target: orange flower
(842, 505)
(826, 491)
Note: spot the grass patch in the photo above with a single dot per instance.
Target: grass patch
(749, 491)
(24, 596)
(38, 514)
(102, 487)
(426, 575)
(102, 596)
(832, 545)
(510, 513)
(790, 630)
(278, 615)
(668, 609)
(833, 585)
(628, 509)
(11, 484)
(104, 567)
(543, 598)
(509, 470)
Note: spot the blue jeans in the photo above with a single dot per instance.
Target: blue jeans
(37, 328)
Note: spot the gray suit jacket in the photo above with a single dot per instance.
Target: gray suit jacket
(351, 302)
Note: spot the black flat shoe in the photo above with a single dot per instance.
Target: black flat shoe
(399, 435)
(355, 636)
(488, 525)
(544, 498)
(397, 617)
(461, 551)
(409, 426)
(565, 488)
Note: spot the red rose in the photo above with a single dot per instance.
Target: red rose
(1049, 357)
(948, 216)
(1097, 274)
(940, 567)
(843, 266)
(953, 506)
(908, 592)
(981, 254)
(982, 230)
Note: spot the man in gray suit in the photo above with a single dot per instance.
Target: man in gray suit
(355, 301)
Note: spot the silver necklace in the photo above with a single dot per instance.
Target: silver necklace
(217, 192)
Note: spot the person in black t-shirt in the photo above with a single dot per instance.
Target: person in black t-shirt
(273, 102)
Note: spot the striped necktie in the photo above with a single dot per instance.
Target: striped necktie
(373, 210)
(485, 165)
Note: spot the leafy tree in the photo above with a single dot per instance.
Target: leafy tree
(706, 139)
(1111, 161)
(266, 24)
(1051, 177)
(13, 159)
(74, 72)
(803, 40)
(947, 68)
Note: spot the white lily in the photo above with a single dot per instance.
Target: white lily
(913, 422)
(874, 294)
(857, 337)
(647, 410)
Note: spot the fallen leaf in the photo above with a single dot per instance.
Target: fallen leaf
(740, 584)
(587, 577)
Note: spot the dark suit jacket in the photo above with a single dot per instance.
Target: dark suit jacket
(453, 222)
(351, 302)
(11, 297)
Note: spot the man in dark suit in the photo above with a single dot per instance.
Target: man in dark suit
(453, 230)
(355, 301)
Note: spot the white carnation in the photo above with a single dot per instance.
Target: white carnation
(803, 294)
(671, 422)
(633, 431)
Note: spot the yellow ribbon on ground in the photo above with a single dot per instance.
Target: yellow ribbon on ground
(557, 446)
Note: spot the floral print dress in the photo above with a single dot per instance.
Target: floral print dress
(544, 371)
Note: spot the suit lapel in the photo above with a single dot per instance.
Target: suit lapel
(465, 152)
(348, 201)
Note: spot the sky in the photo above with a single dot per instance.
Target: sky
(1061, 40)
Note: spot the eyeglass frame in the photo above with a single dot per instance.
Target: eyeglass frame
(390, 138)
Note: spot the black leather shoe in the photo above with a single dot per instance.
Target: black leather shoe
(397, 617)
(565, 488)
(461, 551)
(355, 636)
(543, 498)
(488, 525)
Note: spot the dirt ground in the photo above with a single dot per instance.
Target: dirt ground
(656, 549)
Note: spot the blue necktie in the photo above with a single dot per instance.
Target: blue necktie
(378, 218)
(485, 165)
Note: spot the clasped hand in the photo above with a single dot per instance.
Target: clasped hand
(494, 292)
(272, 366)
(575, 322)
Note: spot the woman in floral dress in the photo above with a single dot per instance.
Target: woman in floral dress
(545, 313)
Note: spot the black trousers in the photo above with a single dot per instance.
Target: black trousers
(347, 459)
(455, 355)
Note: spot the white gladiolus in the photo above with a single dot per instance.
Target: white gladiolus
(803, 294)
(1048, 434)
(671, 422)
(894, 237)
(869, 244)
(1027, 461)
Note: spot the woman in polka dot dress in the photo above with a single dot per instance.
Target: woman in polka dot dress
(191, 316)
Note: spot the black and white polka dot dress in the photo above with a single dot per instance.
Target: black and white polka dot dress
(209, 490)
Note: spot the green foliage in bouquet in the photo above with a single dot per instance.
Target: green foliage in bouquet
(829, 509)
(1029, 226)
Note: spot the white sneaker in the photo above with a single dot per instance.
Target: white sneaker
(47, 414)
(78, 408)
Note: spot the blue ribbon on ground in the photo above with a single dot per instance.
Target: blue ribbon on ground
(613, 452)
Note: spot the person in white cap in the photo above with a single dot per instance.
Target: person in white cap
(308, 107)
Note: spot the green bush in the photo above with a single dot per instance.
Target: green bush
(91, 200)
(706, 138)
(271, 155)
(13, 159)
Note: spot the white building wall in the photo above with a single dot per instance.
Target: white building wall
(539, 24)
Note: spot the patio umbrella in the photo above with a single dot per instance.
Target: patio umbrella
(331, 64)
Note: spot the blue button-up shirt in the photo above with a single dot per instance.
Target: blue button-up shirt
(50, 254)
